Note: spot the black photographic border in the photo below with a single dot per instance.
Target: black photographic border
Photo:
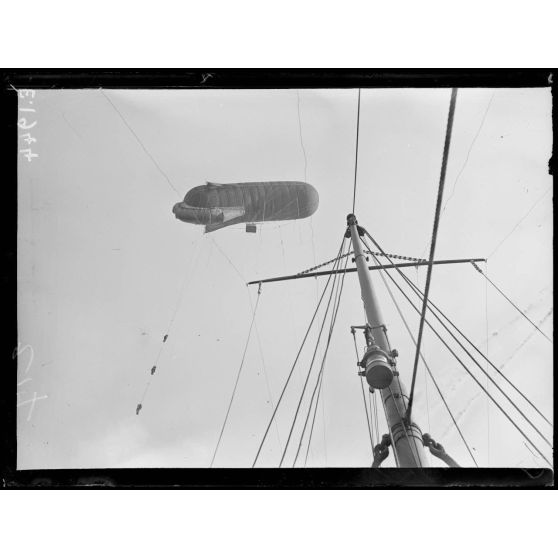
(315, 478)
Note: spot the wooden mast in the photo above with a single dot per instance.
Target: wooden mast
(379, 362)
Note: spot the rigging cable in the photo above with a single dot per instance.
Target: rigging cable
(368, 420)
(289, 297)
(311, 365)
(307, 376)
(317, 386)
(169, 327)
(237, 377)
(264, 368)
(375, 405)
(526, 339)
(229, 260)
(488, 361)
(433, 242)
(426, 395)
(313, 421)
(486, 367)
(490, 378)
(356, 150)
(469, 152)
(221, 251)
(255, 324)
(305, 179)
(511, 302)
(421, 296)
(520, 221)
(320, 392)
(364, 399)
(463, 364)
(295, 361)
(427, 398)
(300, 133)
(374, 433)
(139, 141)
(408, 328)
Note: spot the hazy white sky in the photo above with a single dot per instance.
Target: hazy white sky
(101, 262)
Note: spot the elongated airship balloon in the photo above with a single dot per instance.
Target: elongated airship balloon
(220, 205)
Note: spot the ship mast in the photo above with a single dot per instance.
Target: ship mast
(380, 366)
(379, 361)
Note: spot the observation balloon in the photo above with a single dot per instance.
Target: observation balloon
(220, 205)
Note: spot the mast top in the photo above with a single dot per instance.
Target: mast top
(351, 220)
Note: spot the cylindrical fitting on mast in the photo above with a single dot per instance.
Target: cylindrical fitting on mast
(379, 373)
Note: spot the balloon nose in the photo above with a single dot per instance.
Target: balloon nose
(176, 207)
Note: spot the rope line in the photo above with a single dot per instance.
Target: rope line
(374, 434)
(309, 372)
(229, 260)
(336, 303)
(300, 134)
(237, 379)
(367, 417)
(461, 362)
(364, 398)
(519, 222)
(185, 281)
(356, 150)
(511, 302)
(486, 365)
(319, 380)
(318, 399)
(426, 397)
(526, 339)
(270, 395)
(294, 363)
(375, 405)
(305, 179)
(139, 141)
(408, 328)
(320, 389)
(421, 296)
(488, 361)
(433, 242)
(469, 152)
(313, 421)
(482, 387)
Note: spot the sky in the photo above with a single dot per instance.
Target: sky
(105, 271)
